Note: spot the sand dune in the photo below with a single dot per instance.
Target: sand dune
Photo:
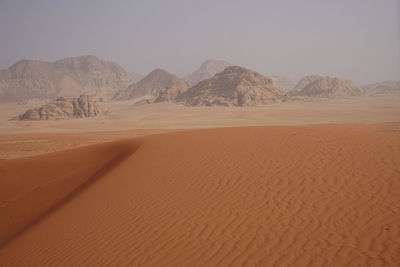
(251, 196)
(24, 145)
(30, 187)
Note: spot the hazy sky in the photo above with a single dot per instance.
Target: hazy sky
(354, 39)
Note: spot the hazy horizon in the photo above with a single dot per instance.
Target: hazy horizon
(357, 40)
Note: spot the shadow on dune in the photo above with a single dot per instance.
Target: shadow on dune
(33, 187)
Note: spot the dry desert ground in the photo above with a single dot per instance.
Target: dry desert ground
(288, 184)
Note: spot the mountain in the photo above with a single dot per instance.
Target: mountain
(383, 88)
(65, 108)
(168, 94)
(329, 87)
(282, 83)
(234, 86)
(135, 76)
(208, 69)
(304, 82)
(72, 76)
(152, 84)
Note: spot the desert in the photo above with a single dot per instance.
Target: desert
(303, 182)
(234, 180)
(199, 133)
(271, 195)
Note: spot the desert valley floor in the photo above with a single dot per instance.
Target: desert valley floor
(288, 184)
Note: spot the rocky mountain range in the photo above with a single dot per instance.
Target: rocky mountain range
(65, 108)
(306, 80)
(207, 70)
(329, 87)
(157, 82)
(234, 86)
(216, 82)
(29, 79)
(383, 88)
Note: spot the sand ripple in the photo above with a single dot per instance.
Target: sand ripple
(252, 196)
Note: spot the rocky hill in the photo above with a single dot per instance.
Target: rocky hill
(208, 69)
(383, 88)
(65, 108)
(73, 76)
(306, 80)
(235, 86)
(282, 83)
(157, 81)
(329, 87)
(169, 94)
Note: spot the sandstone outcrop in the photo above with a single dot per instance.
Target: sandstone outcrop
(65, 108)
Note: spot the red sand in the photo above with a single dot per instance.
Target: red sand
(265, 196)
(24, 145)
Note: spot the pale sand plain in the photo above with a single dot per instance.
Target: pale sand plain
(322, 195)
(26, 138)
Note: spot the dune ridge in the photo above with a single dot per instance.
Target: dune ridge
(27, 194)
(249, 196)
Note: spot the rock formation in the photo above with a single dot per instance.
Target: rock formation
(383, 88)
(208, 69)
(65, 108)
(73, 76)
(151, 85)
(235, 86)
(331, 88)
(304, 82)
(168, 94)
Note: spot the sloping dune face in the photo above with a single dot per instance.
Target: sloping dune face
(31, 187)
(254, 196)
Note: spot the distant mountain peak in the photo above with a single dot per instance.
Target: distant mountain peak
(156, 81)
(331, 87)
(207, 69)
(28, 79)
(306, 80)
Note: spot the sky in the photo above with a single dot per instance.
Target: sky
(352, 39)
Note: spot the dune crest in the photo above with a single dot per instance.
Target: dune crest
(30, 187)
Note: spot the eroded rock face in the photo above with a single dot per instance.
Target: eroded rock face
(65, 108)
(207, 70)
(235, 86)
(306, 80)
(28, 79)
(151, 85)
(169, 94)
(329, 87)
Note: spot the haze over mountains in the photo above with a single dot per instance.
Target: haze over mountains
(136, 76)
(208, 69)
(331, 88)
(386, 87)
(73, 76)
(306, 80)
(282, 83)
(151, 85)
(215, 82)
(199, 133)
